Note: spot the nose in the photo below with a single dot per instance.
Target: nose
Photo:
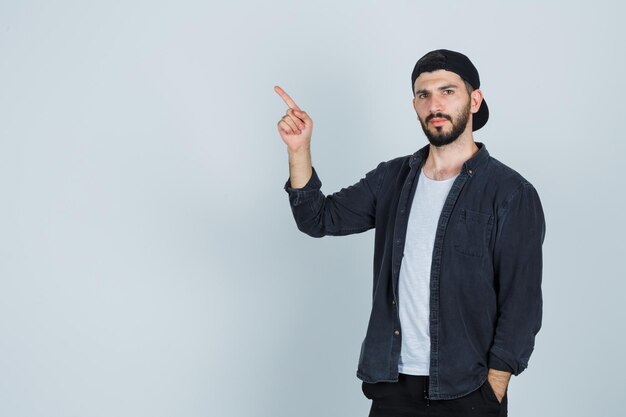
(436, 105)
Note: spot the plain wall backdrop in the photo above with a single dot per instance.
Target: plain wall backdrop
(149, 261)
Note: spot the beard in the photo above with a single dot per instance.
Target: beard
(439, 138)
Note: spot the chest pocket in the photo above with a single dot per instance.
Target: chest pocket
(471, 231)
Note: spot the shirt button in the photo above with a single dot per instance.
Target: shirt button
(470, 172)
(397, 332)
(393, 301)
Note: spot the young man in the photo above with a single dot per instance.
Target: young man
(457, 297)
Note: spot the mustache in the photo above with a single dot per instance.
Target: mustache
(437, 116)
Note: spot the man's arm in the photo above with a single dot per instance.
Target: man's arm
(518, 268)
(296, 129)
(350, 210)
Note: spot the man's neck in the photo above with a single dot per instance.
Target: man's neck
(446, 161)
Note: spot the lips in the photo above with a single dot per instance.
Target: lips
(438, 121)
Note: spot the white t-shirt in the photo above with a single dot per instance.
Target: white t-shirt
(414, 283)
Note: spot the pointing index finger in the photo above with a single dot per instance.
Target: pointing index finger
(292, 104)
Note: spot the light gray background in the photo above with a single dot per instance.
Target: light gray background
(149, 262)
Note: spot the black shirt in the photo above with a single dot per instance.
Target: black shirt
(485, 284)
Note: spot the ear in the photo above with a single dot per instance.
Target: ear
(476, 99)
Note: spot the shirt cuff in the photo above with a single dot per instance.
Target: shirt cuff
(499, 364)
(310, 189)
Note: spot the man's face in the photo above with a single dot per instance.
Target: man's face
(443, 105)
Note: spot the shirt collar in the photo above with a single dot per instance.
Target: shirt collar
(470, 166)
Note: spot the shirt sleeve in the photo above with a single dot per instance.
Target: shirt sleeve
(349, 210)
(518, 268)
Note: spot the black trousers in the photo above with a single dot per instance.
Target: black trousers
(407, 398)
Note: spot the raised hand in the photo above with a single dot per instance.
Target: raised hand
(295, 127)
